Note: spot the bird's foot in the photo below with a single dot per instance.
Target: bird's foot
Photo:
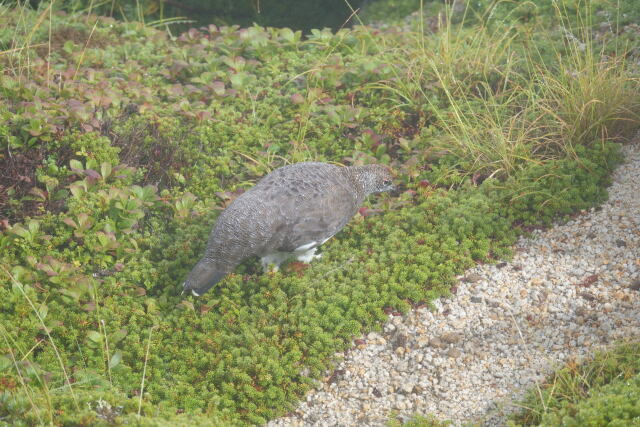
(308, 256)
(272, 261)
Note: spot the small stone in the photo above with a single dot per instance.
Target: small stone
(436, 343)
(635, 285)
(472, 278)
(621, 243)
(607, 307)
(399, 351)
(451, 338)
(454, 352)
(399, 339)
(476, 300)
(587, 295)
(406, 388)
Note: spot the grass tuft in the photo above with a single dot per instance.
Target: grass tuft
(598, 391)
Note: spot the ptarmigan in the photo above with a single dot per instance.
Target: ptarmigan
(289, 212)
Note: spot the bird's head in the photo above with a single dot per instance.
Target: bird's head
(202, 277)
(375, 178)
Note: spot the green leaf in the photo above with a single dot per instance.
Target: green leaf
(76, 165)
(5, 363)
(68, 46)
(17, 288)
(34, 226)
(179, 177)
(43, 311)
(94, 336)
(287, 35)
(115, 359)
(19, 230)
(105, 170)
(118, 336)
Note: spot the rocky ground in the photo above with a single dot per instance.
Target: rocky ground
(567, 292)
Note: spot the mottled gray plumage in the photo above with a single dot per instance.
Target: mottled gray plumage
(287, 213)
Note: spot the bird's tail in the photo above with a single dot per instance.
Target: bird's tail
(202, 277)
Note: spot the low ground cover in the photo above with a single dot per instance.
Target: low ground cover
(602, 391)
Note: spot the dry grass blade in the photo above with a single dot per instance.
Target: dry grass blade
(144, 370)
(23, 383)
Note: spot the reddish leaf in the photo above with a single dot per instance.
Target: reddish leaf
(365, 211)
(47, 269)
(38, 193)
(92, 174)
(203, 115)
(297, 98)
(70, 222)
(218, 88)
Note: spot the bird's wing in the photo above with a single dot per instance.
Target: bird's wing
(317, 216)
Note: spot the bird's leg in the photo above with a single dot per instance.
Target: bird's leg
(272, 261)
(309, 255)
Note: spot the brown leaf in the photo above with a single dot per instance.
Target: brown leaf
(70, 222)
(297, 98)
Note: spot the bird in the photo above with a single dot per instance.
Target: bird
(288, 213)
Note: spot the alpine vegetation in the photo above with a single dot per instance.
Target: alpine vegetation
(121, 144)
(289, 213)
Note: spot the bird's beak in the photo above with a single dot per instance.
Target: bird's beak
(396, 190)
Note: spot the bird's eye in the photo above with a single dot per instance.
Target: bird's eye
(387, 182)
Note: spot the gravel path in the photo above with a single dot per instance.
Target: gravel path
(568, 291)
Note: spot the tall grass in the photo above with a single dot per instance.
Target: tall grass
(500, 102)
